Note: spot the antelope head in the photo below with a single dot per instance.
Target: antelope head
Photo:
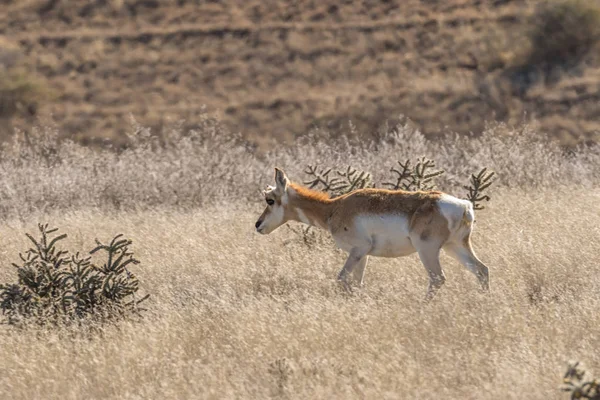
(275, 213)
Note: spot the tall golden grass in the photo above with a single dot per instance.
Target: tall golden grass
(233, 314)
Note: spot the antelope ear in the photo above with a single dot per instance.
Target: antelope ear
(281, 180)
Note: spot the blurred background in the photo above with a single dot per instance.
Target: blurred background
(274, 70)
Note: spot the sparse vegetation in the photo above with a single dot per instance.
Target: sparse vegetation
(273, 71)
(57, 286)
(20, 94)
(479, 183)
(419, 177)
(563, 31)
(342, 182)
(579, 384)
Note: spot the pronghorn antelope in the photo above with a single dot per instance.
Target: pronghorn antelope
(381, 223)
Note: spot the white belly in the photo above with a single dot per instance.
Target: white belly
(388, 234)
(387, 247)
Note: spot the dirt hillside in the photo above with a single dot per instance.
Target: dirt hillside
(276, 69)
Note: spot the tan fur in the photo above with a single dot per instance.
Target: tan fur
(380, 222)
(311, 195)
(338, 211)
(381, 201)
(428, 222)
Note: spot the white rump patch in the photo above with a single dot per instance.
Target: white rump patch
(453, 209)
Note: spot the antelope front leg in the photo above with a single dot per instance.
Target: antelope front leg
(359, 270)
(356, 258)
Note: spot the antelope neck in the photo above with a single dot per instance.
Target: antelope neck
(311, 210)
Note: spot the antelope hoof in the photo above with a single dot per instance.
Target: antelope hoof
(344, 284)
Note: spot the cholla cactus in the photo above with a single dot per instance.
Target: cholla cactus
(577, 382)
(344, 181)
(320, 179)
(353, 179)
(420, 177)
(54, 286)
(479, 183)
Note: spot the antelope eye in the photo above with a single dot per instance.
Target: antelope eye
(270, 202)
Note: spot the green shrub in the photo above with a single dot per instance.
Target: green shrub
(56, 286)
(563, 31)
(20, 94)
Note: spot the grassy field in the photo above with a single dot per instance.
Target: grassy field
(233, 314)
(271, 69)
(156, 87)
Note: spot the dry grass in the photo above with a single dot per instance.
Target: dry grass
(227, 305)
(236, 315)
